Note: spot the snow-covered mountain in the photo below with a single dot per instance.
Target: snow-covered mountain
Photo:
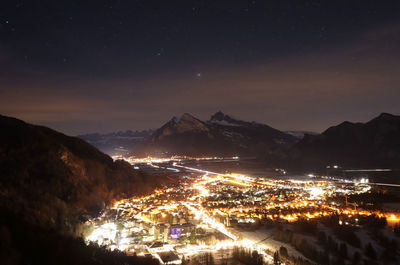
(221, 135)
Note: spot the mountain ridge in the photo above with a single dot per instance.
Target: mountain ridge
(220, 135)
(373, 143)
(54, 179)
(116, 143)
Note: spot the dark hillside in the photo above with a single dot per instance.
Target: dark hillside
(372, 144)
(53, 180)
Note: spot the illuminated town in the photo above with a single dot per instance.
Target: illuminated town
(199, 132)
(209, 212)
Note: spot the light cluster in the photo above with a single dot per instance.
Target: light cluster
(206, 211)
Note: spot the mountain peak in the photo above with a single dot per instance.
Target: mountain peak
(221, 134)
(175, 119)
(385, 115)
(187, 117)
(184, 118)
(224, 119)
(385, 118)
(219, 116)
(186, 123)
(371, 144)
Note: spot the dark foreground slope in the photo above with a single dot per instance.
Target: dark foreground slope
(367, 145)
(45, 174)
(51, 178)
(49, 183)
(22, 242)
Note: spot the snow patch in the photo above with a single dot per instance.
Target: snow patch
(224, 123)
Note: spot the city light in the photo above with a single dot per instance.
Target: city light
(212, 202)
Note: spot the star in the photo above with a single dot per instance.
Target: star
(159, 52)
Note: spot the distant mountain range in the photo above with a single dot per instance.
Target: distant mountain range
(300, 134)
(372, 144)
(117, 143)
(221, 135)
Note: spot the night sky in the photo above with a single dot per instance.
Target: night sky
(102, 66)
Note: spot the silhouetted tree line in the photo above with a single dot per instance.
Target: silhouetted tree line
(247, 257)
(396, 229)
(205, 259)
(22, 242)
(330, 220)
(346, 233)
(333, 253)
(337, 253)
(390, 248)
(282, 256)
(373, 200)
(303, 246)
(305, 226)
(373, 221)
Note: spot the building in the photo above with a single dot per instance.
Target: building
(178, 230)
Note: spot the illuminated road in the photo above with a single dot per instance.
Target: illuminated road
(230, 175)
(212, 222)
(385, 184)
(198, 196)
